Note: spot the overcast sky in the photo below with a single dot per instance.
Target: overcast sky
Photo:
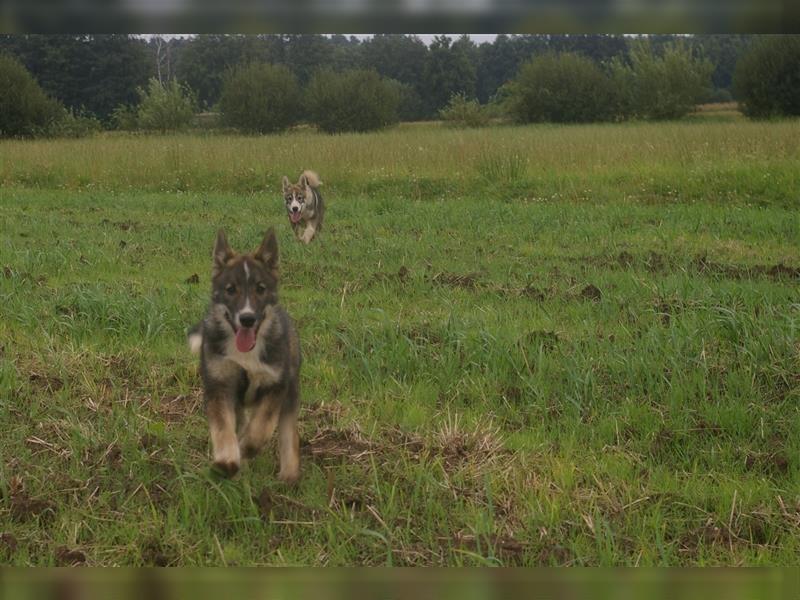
(425, 37)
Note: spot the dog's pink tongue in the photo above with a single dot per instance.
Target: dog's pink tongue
(245, 339)
(295, 216)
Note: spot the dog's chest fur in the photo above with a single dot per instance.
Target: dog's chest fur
(227, 365)
(259, 373)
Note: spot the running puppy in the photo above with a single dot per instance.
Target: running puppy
(249, 359)
(304, 205)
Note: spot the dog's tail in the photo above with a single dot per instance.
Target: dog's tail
(312, 178)
(195, 338)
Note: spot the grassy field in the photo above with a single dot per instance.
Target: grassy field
(573, 345)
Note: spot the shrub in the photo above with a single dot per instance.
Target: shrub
(562, 88)
(767, 79)
(461, 112)
(260, 98)
(25, 110)
(659, 87)
(354, 100)
(74, 124)
(124, 117)
(165, 107)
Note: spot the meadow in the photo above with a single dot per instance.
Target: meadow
(539, 345)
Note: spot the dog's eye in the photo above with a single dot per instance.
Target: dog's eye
(230, 289)
(261, 288)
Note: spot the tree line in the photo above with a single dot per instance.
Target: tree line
(264, 83)
(97, 73)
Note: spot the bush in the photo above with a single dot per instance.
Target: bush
(75, 125)
(355, 100)
(260, 98)
(767, 79)
(562, 88)
(165, 107)
(125, 118)
(461, 112)
(25, 110)
(660, 87)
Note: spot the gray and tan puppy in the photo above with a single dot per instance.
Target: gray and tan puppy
(304, 205)
(249, 360)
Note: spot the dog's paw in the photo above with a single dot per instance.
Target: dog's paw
(226, 468)
(227, 460)
(289, 477)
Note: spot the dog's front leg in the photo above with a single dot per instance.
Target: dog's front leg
(289, 447)
(222, 425)
(308, 234)
(261, 425)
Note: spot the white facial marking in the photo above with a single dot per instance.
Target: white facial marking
(246, 271)
(246, 309)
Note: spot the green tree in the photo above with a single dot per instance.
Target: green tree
(399, 57)
(562, 88)
(260, 98)
(306, 53)
(767, 78)
(165, 107)
(449, 69)
(25, 110)
(355, 100)
(91, 73)
(660, 87)
(203, 62)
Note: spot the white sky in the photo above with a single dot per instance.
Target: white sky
(425, 37)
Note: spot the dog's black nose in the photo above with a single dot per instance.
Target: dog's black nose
(295, 209)
(247, 319)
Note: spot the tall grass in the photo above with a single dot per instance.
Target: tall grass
(696, 159)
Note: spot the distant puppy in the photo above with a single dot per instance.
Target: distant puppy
(304, 205)
(249, 359)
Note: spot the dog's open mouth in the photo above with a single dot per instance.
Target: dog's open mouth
(295, 216)
(245, 339)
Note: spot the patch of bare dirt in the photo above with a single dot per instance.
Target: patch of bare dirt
(555, 554)
(333, 444)
(8, 542)
(505, 547)
(23, 506)
(777, 271)
(591, 292)
(154, 554)
(23, 276)
(177, 408)
(625, 259)
(467, 281)
(69, 558)
(768, 463)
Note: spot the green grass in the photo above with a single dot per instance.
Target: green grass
(522, 346)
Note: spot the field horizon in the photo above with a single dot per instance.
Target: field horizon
(524, 345)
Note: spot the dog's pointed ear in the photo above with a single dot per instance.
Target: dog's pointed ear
(222, 253)
(303, 182)
(268, 251)
(285, 183)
